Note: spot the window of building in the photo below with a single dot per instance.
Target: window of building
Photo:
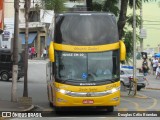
(34, 16)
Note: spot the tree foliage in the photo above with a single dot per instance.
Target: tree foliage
(56, 5)
(106, 6)
(109, 6)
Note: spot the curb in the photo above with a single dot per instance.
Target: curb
(28, 109)
(25, 110)
(152, 88)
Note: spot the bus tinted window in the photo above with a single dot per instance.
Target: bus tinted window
(86, 29)
(87, 67)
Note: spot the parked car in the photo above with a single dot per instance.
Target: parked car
(126, 74)
(6, 63)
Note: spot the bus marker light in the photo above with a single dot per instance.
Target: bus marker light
(115, 99)
(61, 100)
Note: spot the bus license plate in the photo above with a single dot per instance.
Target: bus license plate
(88, 101)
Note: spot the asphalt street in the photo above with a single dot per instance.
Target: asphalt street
(146, 100)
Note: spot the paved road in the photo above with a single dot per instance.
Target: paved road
(147, 100)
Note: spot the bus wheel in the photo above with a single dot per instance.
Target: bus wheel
(58, 110)
(4, 76)
(110, 108)
(49, 92)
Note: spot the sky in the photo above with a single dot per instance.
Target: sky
(151, 17)
(151, 23)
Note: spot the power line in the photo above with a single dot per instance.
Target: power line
(151, 24)
(150, 21)
(152, 28)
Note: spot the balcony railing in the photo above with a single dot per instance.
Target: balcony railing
(32, 25)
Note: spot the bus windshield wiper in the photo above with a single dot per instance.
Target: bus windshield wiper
(70, 79)
(104, 80)
(63, 81)
(112, 81)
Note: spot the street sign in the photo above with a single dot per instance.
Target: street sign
(143, 33)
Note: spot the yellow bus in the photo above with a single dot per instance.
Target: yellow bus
(85, 54)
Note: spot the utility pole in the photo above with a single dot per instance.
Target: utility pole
(134, 47)
(15, 53)
(25, 91)
(141, 27)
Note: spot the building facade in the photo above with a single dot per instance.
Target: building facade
(39, 21)
(37, 28)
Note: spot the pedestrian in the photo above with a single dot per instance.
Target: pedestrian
(145, 68)
(32, 52)
(155, 65)
(29, 52)
(158, 71)
(44, 53)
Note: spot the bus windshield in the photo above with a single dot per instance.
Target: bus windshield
(87, 67)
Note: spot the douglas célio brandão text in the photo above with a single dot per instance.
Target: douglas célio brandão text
(137, 114)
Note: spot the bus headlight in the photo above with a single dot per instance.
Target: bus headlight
(113, 90)
(62, 91)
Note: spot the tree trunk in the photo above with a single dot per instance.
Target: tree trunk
(122, 17)
(15, 53)
(25, 91)
(89, 5)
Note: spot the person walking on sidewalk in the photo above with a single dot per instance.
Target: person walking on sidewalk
(158, 71)
(155, 65)
(145, 68)
(32, 52)
(44, 53)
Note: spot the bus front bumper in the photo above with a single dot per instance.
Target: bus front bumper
(63, 100)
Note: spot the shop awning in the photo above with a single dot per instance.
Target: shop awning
(31, 37)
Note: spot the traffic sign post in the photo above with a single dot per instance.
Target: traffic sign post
(143, 33)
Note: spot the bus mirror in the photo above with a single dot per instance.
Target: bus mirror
(122, 51)
(51, 51)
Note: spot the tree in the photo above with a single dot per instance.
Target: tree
(107, 6)
(15, 53)
(123, 13)
(89, 5)
(122, 17)
(56, 5)
(27, 7)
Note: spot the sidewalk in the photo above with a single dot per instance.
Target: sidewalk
(153, 82)
(8, 106)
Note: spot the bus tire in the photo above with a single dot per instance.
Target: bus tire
(48, 93)
(58, 110)
(5, 76)
(110, 108)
